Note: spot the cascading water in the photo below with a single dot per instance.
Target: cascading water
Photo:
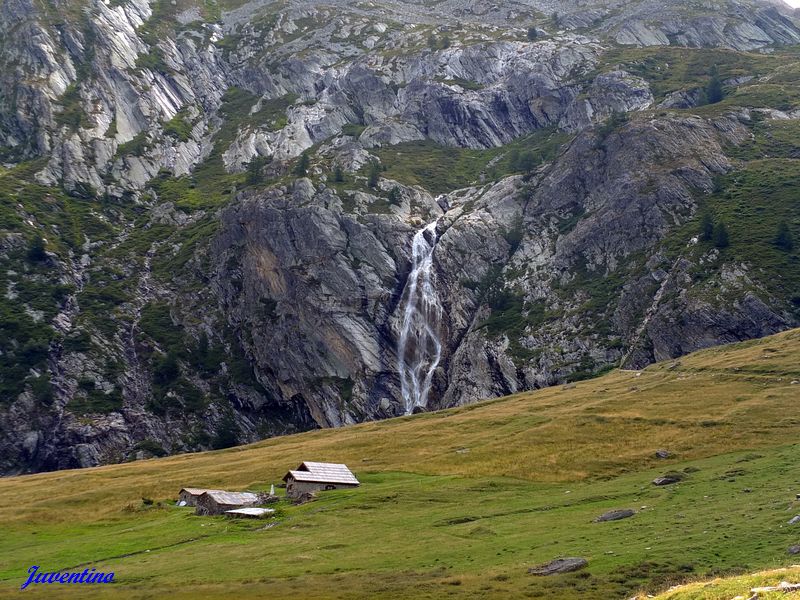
(420, 347)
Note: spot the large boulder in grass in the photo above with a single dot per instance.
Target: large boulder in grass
(669, 478)
(559, 565)
(615, 515)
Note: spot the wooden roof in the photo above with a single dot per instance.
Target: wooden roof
(232, 498)
(317, 472)
(197, 491)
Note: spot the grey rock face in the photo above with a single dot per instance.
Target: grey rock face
(295, 289)
(330, 281)
(559, 565)
(665, 480)
(654, 24)
(613, 92)
(615, 515)
(352, 71)
(682, 99)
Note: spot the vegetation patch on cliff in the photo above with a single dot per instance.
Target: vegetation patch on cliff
(441, 169)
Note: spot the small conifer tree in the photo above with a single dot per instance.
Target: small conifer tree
(301, 168)
(783, 239)
(721, 235)
(706, 227)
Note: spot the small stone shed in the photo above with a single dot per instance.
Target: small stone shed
(216, 502)
(190, 495)
(311, 477)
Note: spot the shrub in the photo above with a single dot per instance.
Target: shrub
(255, 170)
(154, 60)
(353, 130)
(301, 167)
(151, 447)
(721, 235)
(96, 401)
(714, 92)
(179, 126)
(207, 357)
(156, 322)
(43, 390)
(614, 122)
(166, 369)
(374, 174)
(36, 251)
(783, 239)
(227, 433)
(527, 162)
(72, 114)
(137, 146)
(86, 384)
(706, 227)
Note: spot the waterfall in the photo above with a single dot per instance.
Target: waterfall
(420, 347)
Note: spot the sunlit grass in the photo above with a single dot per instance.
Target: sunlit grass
(459, 502)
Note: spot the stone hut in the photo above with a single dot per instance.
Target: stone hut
(311, 477)
(216, 503)
(189, 496)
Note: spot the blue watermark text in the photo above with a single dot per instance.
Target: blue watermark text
(87, 576)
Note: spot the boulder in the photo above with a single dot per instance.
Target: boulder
(559, 565)
(667, 479)
(661, 453)
(615, 515)
(794, 549)
(794, 520)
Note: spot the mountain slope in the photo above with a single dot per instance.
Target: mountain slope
(460, 502)
(208, 209)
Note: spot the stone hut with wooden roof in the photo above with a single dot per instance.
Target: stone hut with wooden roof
(312, 477)
(216, 502)
(188, 496)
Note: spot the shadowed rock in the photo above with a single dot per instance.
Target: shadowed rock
(668, 479)
(559, 565)
(615, 515)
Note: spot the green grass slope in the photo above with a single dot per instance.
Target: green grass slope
(725, 588)
(458, 503)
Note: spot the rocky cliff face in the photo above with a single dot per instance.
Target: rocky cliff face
(209, 212)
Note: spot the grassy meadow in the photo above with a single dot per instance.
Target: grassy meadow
(459, 503)
(725, 588)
